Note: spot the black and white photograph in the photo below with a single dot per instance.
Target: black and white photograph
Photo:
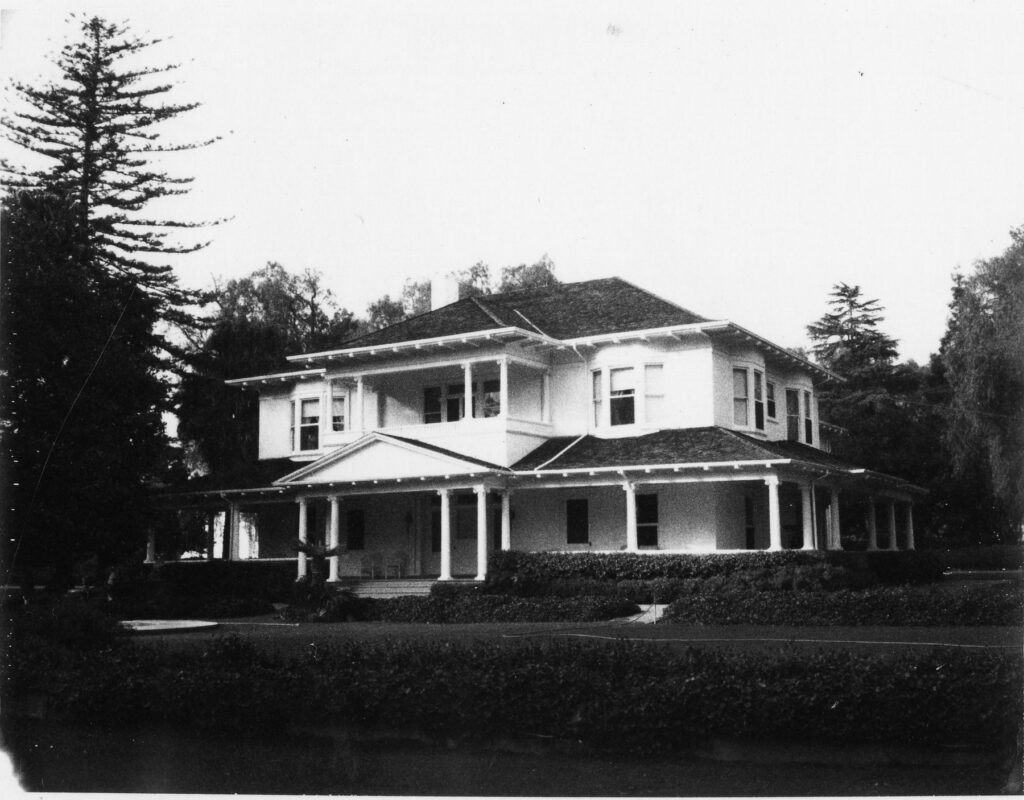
(584, 398)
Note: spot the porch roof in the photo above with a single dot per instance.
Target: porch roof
(251, 476)
(685, 446)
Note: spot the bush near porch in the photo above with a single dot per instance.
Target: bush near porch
(617, 696)
(538, 574)
(727, 601)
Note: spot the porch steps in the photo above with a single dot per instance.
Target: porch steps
(398, 587)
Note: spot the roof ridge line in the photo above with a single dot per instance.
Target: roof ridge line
(561, 452)
(483, 307)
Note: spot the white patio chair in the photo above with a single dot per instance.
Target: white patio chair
(396, 561)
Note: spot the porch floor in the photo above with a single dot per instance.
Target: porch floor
(394, 587)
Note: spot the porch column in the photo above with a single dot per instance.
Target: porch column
(893, 544)
(467, 376)
(150, 545)
(481, 532)
(774, 523)
(503, 388)
(359, 405)
(332, 538)
(835, 534)
(807, 515)
(446, 534)
(872, 521)
(910, 526)
(506, 520)
(303, 537)
(631, 538)
(231, 546)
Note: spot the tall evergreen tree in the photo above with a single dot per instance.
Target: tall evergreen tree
(98, 126)
(847, 338)
(85, 301)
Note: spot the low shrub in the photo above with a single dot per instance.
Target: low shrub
(456, 589)
(320, 602)
(618, 696)
(716, 602)
(497, 608)
(68, 622)
(907, 566)
(167, 606)
(266, 580)
(985, 557)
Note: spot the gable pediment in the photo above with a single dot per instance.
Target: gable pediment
(377, 457)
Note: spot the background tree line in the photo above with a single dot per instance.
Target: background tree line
(101, 343)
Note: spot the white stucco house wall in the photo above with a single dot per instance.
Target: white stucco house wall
(588, 416)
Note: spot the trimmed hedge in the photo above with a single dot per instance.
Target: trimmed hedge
(181, 607)
(266, 580)
(640, 575)
(621, 697)
(495, 608)
(996, 556)
(714, 603)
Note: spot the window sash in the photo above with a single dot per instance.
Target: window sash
(808, 420)
(597, 395)
(309, 424)
(647, 520)
(577, 521)
(758, 400)
(654, 393)
(792, 415)
(770, 399)
(739, 397)
(338, 413)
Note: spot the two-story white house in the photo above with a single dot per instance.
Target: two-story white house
(585, 416)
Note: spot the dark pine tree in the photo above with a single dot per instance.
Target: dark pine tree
(85, 299)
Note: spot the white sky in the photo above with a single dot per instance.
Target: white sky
(737, 158)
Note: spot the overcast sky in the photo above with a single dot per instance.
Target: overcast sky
(736, 158)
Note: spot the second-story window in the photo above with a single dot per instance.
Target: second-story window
(759, 400)
(739, 397)
(654, 393)
(792, 415)
(808, 422)
(432, 405)
(487, 399)
(770, 399)
(597, 395)
(338, 411)
(309, 425)
(623, 396)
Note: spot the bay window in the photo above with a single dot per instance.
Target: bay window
(739, 397)
(309, 424)
(759, 400)
(654, 393)
(622, 396)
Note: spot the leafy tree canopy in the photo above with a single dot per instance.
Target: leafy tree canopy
(983, 356)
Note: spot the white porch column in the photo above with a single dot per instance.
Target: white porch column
(303, 537)
(467, 377)
(807, 515)
(631, 538)
(774, 523)
(481, 532)
(150, 546)
(893, 544)
(872, 521)
(910, 526)
(503, 388)
(332, 538)
(233, 528)
(360, 409)
(506, 520)
(446, 534)
(836, 532)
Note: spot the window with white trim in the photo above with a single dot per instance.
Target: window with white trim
(622, 396)
(647, 520)
(654, 394)
(792, 415)
(770, 399)
(291, 432)
(577, 521)
(759, 400)
(598, 395)
(339, 398)
(309, 424)
(740, 397)
(808, 422)
(444, 403)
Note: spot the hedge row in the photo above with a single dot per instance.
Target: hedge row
(186, 606)
(529, 574)
(633, 697)
(496, 608)
(266, 580)
(715, 603)
(996, 556)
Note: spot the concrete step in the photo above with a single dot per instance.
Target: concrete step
(419, 587)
